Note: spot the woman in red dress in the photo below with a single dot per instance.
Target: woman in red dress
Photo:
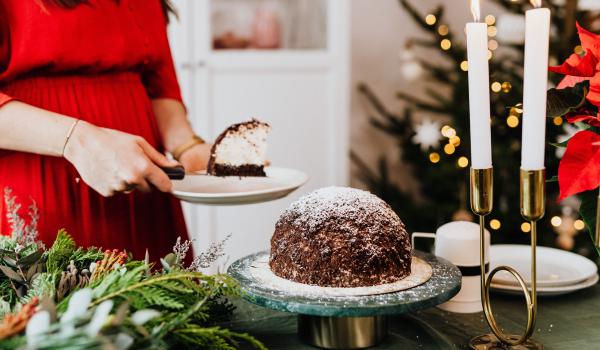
(89, 101)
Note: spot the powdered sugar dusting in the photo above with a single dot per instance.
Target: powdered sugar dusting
(319, 207)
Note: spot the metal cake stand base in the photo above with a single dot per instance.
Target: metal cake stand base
(342, 332)
(490, 342)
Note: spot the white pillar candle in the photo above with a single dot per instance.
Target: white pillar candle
(535, 85)
(479, 92)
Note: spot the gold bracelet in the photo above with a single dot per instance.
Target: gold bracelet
(180, 150)
(71, 129)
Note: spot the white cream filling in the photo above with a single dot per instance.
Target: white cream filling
(245, 146)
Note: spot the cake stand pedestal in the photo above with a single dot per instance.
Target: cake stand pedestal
(347, 322)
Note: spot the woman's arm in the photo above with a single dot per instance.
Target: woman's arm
(29, 129)
(173, 122)
(175, 129)
(107, 160)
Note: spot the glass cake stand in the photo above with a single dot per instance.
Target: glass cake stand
(347, 322)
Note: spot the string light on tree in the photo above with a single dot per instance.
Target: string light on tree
(430, 19)
(495, 224)
(512, 121)
(463, 162)
(579, 225)
(455, 141)
(496, 87)
(492, 31)
(448, 131)
(464, 66)
(525, 227)
(506, 87)
(557, 121)
(556, 221)
(490, 20)
(446, 44)
(434, 157)
(443, 30)
(449, 149)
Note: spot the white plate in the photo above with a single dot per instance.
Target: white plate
(547, 291)
(234, 190)
(555, 267)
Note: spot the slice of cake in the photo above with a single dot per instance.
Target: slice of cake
(340, 237)
(240, 150)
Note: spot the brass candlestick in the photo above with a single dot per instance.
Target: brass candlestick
(532, 209)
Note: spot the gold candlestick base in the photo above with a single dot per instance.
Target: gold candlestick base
(532, 209)
(491, 342)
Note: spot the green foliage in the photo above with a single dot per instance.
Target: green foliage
(60, 253)
(213, 338)
(589, 204)
(185, 304)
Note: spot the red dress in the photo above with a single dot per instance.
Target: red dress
(101, 62)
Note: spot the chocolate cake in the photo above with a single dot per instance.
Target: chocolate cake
(340, 237)
(240, 150)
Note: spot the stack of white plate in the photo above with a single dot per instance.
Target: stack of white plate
(558, 271)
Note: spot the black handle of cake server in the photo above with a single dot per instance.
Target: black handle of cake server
(175, 173)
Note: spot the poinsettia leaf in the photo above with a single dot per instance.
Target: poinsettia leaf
(10, 273)
(553, 179)
(560, 144)
(587, 210)
(579, 169)
(563, 101)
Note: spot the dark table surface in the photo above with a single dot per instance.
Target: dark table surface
(565, 322)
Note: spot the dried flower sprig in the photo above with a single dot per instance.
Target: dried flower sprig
(24, 234)
(111, 259)
(212, 254)
(180, 249)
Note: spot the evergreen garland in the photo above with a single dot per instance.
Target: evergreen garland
(108, 300)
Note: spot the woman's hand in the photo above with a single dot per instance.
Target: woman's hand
(111, 161)
(196, 158)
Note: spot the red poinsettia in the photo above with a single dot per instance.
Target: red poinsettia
(579, 169)
(578, 69)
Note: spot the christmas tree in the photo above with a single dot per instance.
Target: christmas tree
(432, 129)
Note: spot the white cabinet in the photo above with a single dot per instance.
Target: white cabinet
(303, 93)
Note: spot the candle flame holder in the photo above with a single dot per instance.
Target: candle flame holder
(532, 209)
